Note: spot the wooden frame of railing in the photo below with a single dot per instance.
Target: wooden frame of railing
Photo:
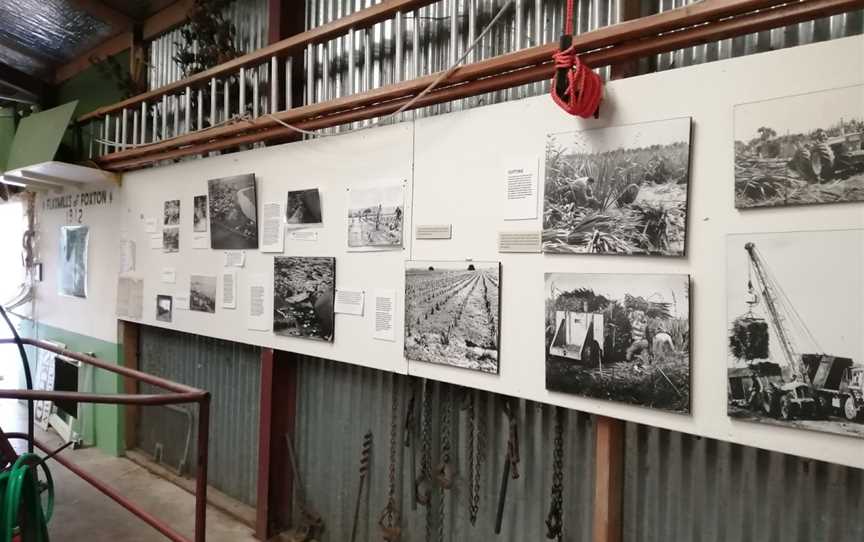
(695, 24)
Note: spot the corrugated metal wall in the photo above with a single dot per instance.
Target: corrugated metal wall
(231, 372)
(339, 403)
(680, 488)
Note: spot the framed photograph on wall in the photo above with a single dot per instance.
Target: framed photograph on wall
(618, 190)
(303, 208)
(72, 271)
(794, 349)
(233, 210)
(304, 290)
(375, 217)
(452, 313)
(800, 150)
(620, 337)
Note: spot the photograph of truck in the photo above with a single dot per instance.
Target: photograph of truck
(794, 342)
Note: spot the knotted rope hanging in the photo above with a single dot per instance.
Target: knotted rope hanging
(575, 88)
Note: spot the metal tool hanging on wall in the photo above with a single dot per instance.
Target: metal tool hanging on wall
(388, 522)
(555, 519)
(311, 524)
(511, 460)
(365, 458)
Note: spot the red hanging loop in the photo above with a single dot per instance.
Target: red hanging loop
(575, 87)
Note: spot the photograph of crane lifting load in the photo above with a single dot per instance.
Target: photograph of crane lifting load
(795, 321)
(800, 149)
(620, 337)
(618, 190)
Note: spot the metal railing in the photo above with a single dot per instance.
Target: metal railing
(177, 394)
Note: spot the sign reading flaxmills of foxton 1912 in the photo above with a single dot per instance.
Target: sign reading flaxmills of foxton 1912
(74, 204)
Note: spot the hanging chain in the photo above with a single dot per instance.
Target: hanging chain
(555, 521)
(423, 485)
(390, 517)
(475, 456)
(445, 472)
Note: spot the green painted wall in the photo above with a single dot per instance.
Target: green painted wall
(99, 425)
(7, 134)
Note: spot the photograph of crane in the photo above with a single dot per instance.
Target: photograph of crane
(794, 352)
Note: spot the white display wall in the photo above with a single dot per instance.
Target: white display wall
(455, 165)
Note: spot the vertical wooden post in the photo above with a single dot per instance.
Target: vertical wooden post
(609, 479)
(129, 337)
(629, 10)
(288, 18)
(278, 414)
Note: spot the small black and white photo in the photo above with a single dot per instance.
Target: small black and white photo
(199, 216)
(795, 351)
(620, 337)
(799, 150)
(303, 295)
(618, 190)
(74, 246)
(172, 213)
(171, 239)
(233, 213)
(452, 313)
(202, 293)
(164, 308)
(303, 208)
(375, 216)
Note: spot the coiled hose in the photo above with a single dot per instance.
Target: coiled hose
(21, 511)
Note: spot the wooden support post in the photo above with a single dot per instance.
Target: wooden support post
(277, 418)
(129, 339)
(609, 479)
(629, 10)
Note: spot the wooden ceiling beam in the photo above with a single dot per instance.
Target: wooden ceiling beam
(20, 81)
(118, 21)
(172, 16)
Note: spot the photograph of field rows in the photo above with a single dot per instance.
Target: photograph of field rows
(813, 156)
(618, 190)
(452, 314)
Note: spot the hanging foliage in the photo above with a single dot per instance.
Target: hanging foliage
(208, 38)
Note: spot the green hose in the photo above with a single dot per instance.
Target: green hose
(20, 486)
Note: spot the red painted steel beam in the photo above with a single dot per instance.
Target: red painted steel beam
(265, 435)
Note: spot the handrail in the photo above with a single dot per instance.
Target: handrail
(355, 21)
(505, 71)
(180, 393)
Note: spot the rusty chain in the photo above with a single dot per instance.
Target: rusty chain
(423, 484)
(555, 521)
(390, 516)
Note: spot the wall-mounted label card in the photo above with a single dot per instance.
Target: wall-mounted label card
(201, 241)
(130, 297)
(385, 309)
(520, 241)
(259, 317)
(434, 231)
(181, 295)
(349, 302)
(156, 241)
(229, 289)
(127, 256)
(304, 235)
(150, 225)
(521, 191)
(272, 228)
(235, 258)
(169, 275)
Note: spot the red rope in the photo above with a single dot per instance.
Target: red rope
(575, 87)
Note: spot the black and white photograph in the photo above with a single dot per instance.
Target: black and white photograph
(799, 150)
(199, 215)
(233, 213)
(618, 190)
(375, 216)
(74, 241)
(303, 294)
(164, 308)
(202, 293)
(452, 313)
(171, 239)
(172, 213)
(303, 208)
(794, 350)
(620, 337)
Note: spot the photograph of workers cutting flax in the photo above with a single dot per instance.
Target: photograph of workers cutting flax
(795, 346)
(618, 190)
(620, 337)
(233, 212)
(800, 149)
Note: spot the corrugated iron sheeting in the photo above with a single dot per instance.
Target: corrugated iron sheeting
(231, 372)
(339, 403)
(683, 488)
